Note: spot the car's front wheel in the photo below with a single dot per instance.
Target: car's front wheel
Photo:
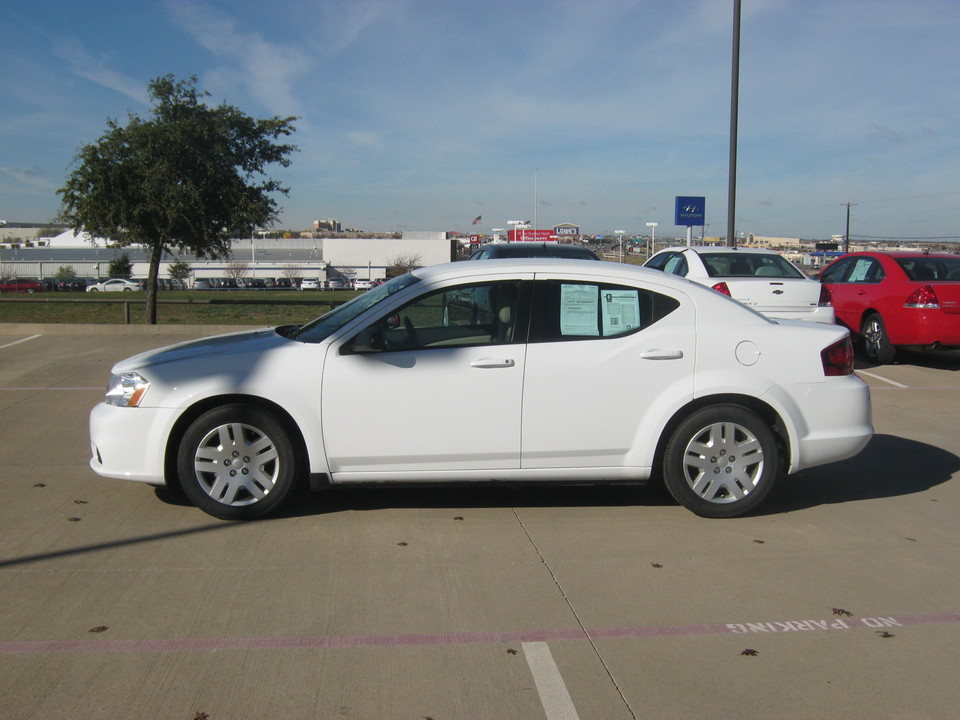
(236, 462)
(721, 461)
(876, 342)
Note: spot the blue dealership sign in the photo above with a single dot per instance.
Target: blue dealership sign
(690, 210)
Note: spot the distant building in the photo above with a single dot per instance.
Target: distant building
(328, 225)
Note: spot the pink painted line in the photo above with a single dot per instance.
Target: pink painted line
(462, 638)
(40, 389)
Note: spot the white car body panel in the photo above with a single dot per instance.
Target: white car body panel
(564, 410)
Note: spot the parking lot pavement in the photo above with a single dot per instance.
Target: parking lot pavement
(839, 600)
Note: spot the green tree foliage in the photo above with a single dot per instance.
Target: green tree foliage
(65, 272)
(179, 270)
(120, 267)
(189, 177)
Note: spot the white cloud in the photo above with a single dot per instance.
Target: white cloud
(268, 70)
(97, 70)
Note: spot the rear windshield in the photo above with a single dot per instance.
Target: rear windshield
(930, 268)
(747, 264)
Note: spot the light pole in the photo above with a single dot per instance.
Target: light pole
(516, 225)
(620, 233)
(653, 238)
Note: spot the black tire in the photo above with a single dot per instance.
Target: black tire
(876, 342)
(721, 461)
(236, 462)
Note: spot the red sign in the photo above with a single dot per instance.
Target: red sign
(530, 235)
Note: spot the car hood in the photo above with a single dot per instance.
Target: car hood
(248, 341)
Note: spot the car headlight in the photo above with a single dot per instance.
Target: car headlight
(126, 389)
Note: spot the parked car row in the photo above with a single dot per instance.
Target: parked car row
(887, 300)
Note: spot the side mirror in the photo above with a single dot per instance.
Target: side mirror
(366, 342)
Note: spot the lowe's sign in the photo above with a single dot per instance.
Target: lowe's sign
(690, 210)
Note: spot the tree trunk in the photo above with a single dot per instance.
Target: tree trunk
(151, 310)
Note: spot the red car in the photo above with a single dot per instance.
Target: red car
(14, 285)
(897, 299)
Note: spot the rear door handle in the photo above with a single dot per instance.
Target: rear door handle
(492, 363)
(661, 355)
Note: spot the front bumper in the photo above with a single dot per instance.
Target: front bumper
(130, 443)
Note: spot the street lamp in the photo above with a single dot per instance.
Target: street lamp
(653, 238)
(620, 233)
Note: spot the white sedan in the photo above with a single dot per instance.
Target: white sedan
(114, 285)
(491, 370)
(761, 279)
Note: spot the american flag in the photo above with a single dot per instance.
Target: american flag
(476, 220)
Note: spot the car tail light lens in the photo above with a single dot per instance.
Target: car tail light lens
(838, 358)
(826, 298)
(923, 297)
(721, 287)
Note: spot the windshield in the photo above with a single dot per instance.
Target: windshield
(321, 328)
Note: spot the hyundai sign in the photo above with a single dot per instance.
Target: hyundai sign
(690, 210)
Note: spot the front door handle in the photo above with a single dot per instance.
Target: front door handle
(661, 355)
(493, 363)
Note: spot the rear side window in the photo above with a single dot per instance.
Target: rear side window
(565, 310)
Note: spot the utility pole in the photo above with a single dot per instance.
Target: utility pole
(734, 106)
(846, 235)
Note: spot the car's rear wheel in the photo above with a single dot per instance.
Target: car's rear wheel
(237, 462)
(876, 342)
(721, 461)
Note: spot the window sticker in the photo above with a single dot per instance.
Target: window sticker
(578, 309)
(860, 271)
(620, 311)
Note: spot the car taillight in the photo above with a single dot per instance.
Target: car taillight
(838, 358)
(826, 299)
(721, 287)
(923, 297)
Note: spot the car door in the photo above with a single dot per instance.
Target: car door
(606, 365)
(854, 286)
(428, 389)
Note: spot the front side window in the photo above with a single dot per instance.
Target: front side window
(465, 315)
(567, 310)
(837, 272)
(321, 328)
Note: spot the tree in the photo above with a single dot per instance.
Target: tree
(403, 264)
(237, 269)
(179, 270)
(189, 177)
(65, 272)
(120, 266)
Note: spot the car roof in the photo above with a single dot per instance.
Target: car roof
(518, 266)
(537, 249)
(719, 249)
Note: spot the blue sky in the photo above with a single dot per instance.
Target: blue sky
(423, 114)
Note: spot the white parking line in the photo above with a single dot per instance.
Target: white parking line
(880, 377)
(556, 701)
(17, 342)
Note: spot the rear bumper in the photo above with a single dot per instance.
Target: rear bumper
(835, 422)
(925, 328)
